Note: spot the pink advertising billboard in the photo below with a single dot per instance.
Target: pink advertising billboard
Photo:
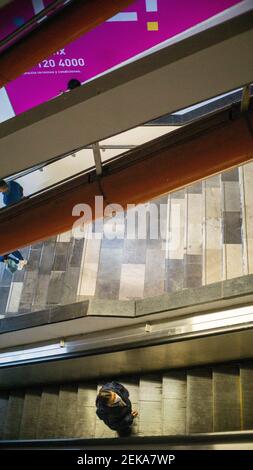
(144, 24)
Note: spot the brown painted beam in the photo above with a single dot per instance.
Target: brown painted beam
(179, 159)
(69, 24)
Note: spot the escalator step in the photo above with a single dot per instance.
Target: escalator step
(247, 395)
(29, 422)
(4, 398)
(174, 403)
(226, 390)
(47, 413)
(150, 405)
(14, 414)
(66, 411)
(85, 411)
(199, 401)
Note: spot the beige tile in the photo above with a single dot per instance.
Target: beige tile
(14, 297)
(213, 266)
(132, 281)
(233, 261)
(213, 203)
(64, 237)
(195, 224)
(176, 230)
(92, 251)
(88, 280)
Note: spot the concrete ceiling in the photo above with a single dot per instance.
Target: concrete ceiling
(207, 64)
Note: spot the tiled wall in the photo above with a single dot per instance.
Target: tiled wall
(215, 242)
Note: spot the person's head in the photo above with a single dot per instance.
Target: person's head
(3, 186)
(73, 83)
(110, 398)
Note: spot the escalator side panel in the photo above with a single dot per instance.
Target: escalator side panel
(199, 401)
(246, 373)
(29, 421)
(226, 390)
(14, 414)
(174, 403)
(47, 413)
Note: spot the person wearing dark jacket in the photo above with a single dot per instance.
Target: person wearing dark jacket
(115, 408)
(12, 192)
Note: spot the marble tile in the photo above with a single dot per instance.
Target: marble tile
(47, 258)
(232, 229)
(132, 281)
(174, 275)
(233, 261)
(61, 256)
(54, 294)
(230, 175)
(14, 297)
(232, 200)
(194, 224)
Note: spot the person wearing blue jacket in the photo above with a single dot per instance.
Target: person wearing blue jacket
(115, 408)
(12, 192)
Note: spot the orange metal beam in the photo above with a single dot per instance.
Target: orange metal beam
(199, 155)
(68, 25)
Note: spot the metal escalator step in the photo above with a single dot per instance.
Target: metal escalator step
(85, 411)
(101, 430)
(226, 390)
(150, 405)
(199, 401)
(174, 403)
(47, 412)
(29, 422)
(4, 398)
(66, 411)
(246, 373)
(14, 414)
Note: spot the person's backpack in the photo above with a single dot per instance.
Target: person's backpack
(11, 265)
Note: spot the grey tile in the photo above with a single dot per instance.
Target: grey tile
(108, 279)
(7, 278)
(28, 292)
(4, 293)
(61, 256)
(231, 175)
(76, 255)
(195, 188)
(40, 297)
(178, 194)
(155, 272)
(174, 279)
(134, 251)
(213, 182)
(193, 275)
(70, 285)
(47, 258)
(232, 228)
(33, 260)
(54, 294)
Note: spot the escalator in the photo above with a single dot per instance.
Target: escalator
(182, 406)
